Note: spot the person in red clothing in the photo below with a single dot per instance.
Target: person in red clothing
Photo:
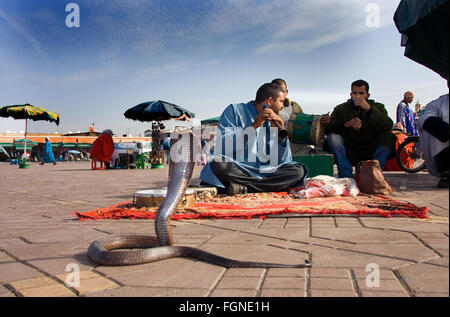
(103, 147)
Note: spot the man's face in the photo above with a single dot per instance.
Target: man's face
(409, 98)
(285, 91)
(359, 93)
(277, 104)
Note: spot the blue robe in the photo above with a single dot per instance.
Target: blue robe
(406, 117)
(48, 156)
(259, 155)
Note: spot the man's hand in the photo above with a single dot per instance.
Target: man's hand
(276, 121)
(361, 102)
(355, 123)
(268, 114)
(261, 118)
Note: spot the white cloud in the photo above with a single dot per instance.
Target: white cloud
(313, 24)
(25, 34)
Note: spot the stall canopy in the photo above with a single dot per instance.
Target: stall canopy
(425, 32)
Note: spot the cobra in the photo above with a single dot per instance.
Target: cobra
(145, 249)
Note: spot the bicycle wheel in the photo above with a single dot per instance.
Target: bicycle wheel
(409, 156)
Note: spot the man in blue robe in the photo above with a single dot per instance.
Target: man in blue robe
(406, 116)
(248, 155)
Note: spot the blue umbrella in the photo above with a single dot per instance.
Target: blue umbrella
(158, 111)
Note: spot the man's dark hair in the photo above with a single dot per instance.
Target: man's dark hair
(279, 82)
(268, 90)
(360, 83)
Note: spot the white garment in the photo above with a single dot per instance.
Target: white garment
(324, 185)
(430, 145)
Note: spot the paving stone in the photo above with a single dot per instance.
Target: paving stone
(384, 285)
(342, 258)
(329, 283)
(33, 283)
(284, 282)
(364, 235)
(297, 223)
(56, 290)
(14, 271)
(148, 292)
(4, 292)
(425, 278)
(182, 273)
(440, 261)
(329, 272)
(59, 265)
(332, 293)
(5, 258)
(252, 272)
(286, 272)
(238, 282)
(95, 284)
(413, 251)
(233, 292)
(383, 294)
(431, 294)
(38, 251)
(280, 292)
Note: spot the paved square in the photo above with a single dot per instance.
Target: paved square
(42, 245)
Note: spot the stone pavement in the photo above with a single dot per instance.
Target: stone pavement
(43, 247)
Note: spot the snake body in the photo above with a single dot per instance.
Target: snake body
(147, 249)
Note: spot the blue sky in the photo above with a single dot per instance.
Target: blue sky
(199, 54)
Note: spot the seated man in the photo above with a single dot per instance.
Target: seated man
(103, 148)
(359, 130)
(248, 155)
(434, 134)
(405, 115)
(289, 107)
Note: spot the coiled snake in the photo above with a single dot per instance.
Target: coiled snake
(149, 248)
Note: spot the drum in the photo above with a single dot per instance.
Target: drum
(154, 197)
(306, 129)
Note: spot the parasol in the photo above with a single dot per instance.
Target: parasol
(158, 111)
(214, 120)
(26, 112)
(24, 143)
(425, 30)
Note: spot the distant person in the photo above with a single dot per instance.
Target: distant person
(47, 155)
(103, 148)
(419, 111)
(289, 107)
(434, 135)
(406, 116)
(244, 166)
(166, 148)
(359, 129)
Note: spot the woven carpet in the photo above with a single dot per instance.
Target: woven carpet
(261, 205)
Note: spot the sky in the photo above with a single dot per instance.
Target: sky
(199, 54)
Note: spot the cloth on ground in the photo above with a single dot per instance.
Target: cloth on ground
(323, 185)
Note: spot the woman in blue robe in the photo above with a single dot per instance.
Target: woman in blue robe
(48, 156)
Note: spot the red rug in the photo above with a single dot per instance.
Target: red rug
(263, 204)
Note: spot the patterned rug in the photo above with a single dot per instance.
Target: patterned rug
(261, 205)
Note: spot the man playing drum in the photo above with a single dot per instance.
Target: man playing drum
(249, 156)
(360, 129)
